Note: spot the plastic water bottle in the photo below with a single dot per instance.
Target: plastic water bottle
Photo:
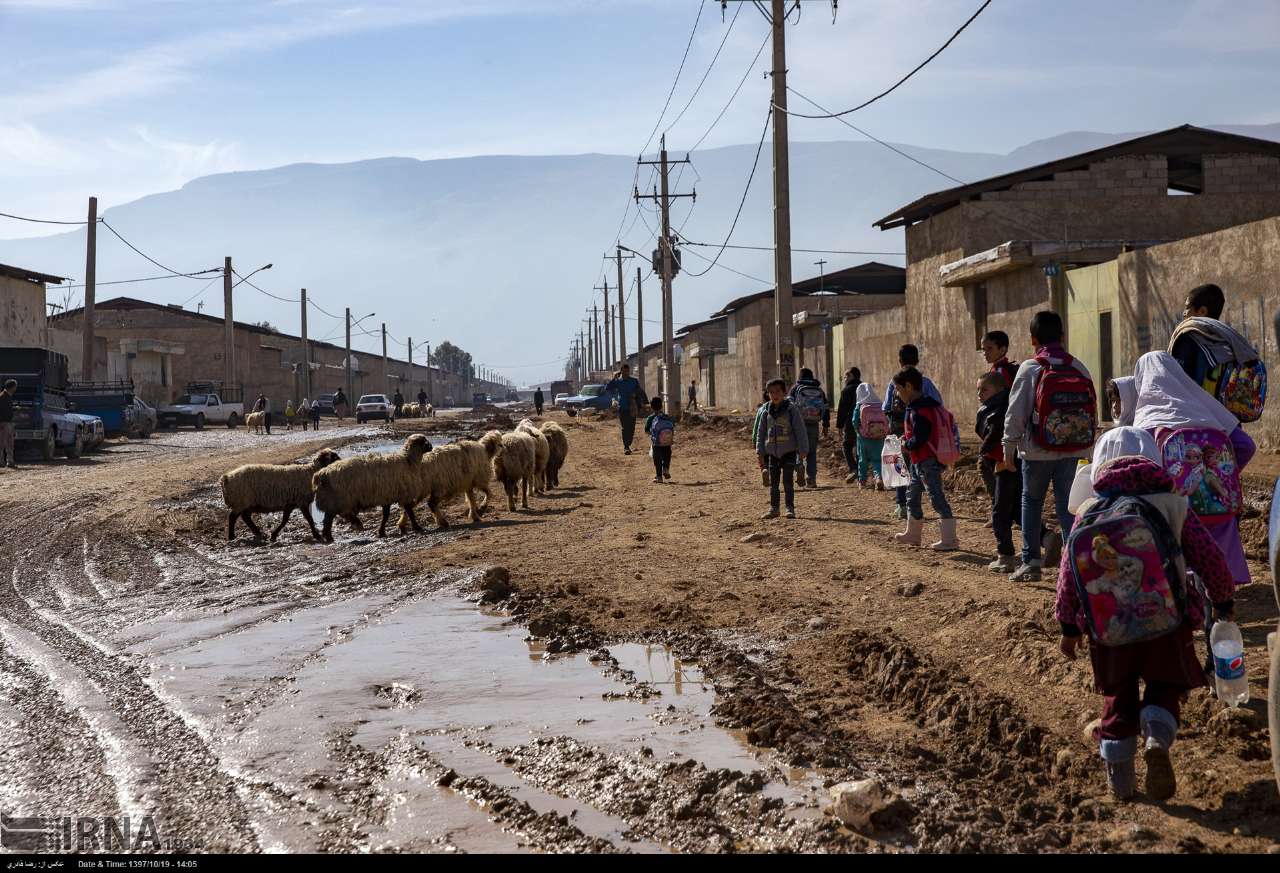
(1230, 682)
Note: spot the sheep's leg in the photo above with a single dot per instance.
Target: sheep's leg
(306, 515)
(248, 519)
(475, 509)
(511, 488)
(354, 520)
(433, 503)
(288, 511)
(328, 527)
(407, 509)
(231, 525)
(386, 515)
(524, 493)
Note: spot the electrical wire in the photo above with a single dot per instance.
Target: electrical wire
(727, 267)
(141, 279)
(897, 84)
(710, 67)
(245, 280)
(117, 235)
(39, 220)
(689, 242)
(679, 70)
(734, 95)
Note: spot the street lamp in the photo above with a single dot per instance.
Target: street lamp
(254, 273)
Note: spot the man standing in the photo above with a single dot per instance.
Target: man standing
(422, 400)
(844, 420)
(340, 404)
(399, 402)
(815, 409)
(693, 394)
(538, 399)
(7, 458)
(263, 405)
(630, 396)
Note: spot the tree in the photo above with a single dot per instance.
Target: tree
(266, 325)
(451, 359)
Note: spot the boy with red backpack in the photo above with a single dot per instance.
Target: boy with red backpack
(932, 442)
(1050, 425)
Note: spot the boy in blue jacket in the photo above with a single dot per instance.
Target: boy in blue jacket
(781, 442)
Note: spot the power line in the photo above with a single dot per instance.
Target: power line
(689, 242)
(727, 267)
(734, 95)
(311, 301)
(692, 33)
(710, 67)
(901, 81)
(141, 279)
(138, 251)
(39, 220)
(245, 280)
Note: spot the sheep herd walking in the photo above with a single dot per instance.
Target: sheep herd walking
(416, 473)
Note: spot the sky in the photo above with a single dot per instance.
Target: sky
(123, 98)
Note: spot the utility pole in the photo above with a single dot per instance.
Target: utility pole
(606, 359)
(350, 385)
(229, 330)
(90, 289)
(306, 350)
(386, 379)
(640, 328)
(783, 332)
(613, 319)
(595, 332)
(430, 398)
(622, 308)
(667, 266)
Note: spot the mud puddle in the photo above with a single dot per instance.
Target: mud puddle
(299, 704)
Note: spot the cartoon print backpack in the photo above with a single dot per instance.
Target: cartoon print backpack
(1202, 464)
(662, 432)
(873, 424)
(1124, 561)
(1065, 407)
(1239, 385)
(813, 403)
(893, 466)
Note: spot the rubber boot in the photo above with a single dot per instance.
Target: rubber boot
(949, 542)
(1159, 728)
(911, 536)
(1118, 756)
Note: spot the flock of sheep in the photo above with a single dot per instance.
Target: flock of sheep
(416, 410)
(417, 472)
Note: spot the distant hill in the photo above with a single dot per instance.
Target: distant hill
(499, 254)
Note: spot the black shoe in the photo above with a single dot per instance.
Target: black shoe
(626, 451)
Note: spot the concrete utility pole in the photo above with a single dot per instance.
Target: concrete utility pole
(595, 333)
(347, 362)
(606, 359)
(640, 329)
(670, 383)
(386, 378)
(229, 328)
(306, 350)
(783, 333)
(613, 318)
(90, 289)
(622, 308)
(430, 399)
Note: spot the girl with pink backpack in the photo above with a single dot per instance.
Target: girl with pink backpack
(871, 425)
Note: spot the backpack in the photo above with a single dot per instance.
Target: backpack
(1124, 565)
(1064, 413)
(873, 424)
(944, 438)
(662, 432)
(812, 402)
(1202, 464)
(1239, 385)
(897, 416)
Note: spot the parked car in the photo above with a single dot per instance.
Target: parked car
(202, 403)
(372, 406)
(590, 397)
(145, 420)
(325, 402)
(40, 416)
(92, 429)
(559, 400)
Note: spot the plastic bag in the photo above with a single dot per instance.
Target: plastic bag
(893, 467)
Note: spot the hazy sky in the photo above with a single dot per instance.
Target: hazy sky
(121, 98)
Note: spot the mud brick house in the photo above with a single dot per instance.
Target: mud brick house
(987, 255)
(22, 306)
(163, 347)
(701, 344)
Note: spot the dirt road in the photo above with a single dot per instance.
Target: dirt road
(694, 677)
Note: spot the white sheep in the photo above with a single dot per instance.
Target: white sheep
(272, 488)
(542, 456)
(355, 484)
(255, 420)
(558, 440)
(461, 469)
(514, 455)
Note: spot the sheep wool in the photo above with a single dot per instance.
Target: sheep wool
(461, 469)
(272, 488)
(543, 449)
(558, 441)
(369, 481)
(514, 456)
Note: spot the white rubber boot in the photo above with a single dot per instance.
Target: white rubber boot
(911, 536)
(949, 542)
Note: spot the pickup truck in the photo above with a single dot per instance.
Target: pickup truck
(590, 397)
(115, 403)
(199, 409)
(41, 416)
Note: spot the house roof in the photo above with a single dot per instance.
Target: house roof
(689, 328)
(872, 277)
(1183, 146)
(29, 275)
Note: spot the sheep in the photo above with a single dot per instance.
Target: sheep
(558, 441)
(514, 455)
(543, 454)
(457, 470)
(363, 482)
(270, 488)
(409, 410)
(429, 411)
(255, 420)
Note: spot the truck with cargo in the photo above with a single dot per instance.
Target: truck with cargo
(116, 404)
(42, 418)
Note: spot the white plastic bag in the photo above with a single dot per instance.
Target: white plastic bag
(893, 467)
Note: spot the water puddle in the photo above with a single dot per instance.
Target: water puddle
(270, 691)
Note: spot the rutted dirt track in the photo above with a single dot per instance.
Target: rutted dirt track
(352, 697)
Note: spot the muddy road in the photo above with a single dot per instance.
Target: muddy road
(652, 669)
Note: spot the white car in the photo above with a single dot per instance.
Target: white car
(559, 400)
(372, 406)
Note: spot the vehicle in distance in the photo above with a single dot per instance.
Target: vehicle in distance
(590, 397)
(372, 406)
(198, 407)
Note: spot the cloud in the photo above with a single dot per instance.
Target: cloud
(1228, 26)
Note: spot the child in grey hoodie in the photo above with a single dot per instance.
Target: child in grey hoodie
(781, 441)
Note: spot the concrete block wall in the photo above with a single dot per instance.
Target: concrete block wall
(1234, 174)
(1142, 175)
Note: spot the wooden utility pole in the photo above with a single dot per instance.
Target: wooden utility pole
(430, 399)
(667, 266)
(783, 331)
(229, 328)
(347, 362)
(622, 308)
(606, 359)
(640, 330)
(90, 289)
(386, 378)
(306, 350)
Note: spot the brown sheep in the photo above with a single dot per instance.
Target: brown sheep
(255, 420)
(514, 456)
(558, 441)
(460, 469)
(368, 481)
(272, 488)
(543, 454)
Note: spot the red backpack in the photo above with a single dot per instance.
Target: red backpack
(944, 437)
(1064, 414)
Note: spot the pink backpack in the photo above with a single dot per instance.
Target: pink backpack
(873, 424)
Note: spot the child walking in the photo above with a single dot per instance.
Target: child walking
(922, 429)
(1122, 581)
(661, 429)
(781, 443)
(872, 426)
(288, 415)
(1006, 485)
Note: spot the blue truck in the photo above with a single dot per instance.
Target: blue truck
(42, 418)
(115, 403)
(590, 397)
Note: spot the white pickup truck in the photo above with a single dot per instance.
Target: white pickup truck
(199, 409)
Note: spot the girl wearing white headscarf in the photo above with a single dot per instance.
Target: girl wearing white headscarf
(869, 450)
(1168, 398)
(1123, 394)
